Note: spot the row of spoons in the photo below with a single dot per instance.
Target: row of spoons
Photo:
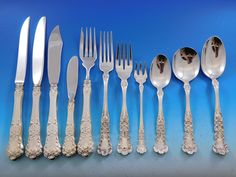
(186, 66)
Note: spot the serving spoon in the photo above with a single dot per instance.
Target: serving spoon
(213, 65)
(186, 67)
(160, 74)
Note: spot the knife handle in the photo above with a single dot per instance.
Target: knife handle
(85, 144)
(34, 146)
(69, 146)
(52, 146)
(15, 147)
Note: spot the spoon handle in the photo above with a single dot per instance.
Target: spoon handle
(189, 145)
(160, 146)
(219, 147)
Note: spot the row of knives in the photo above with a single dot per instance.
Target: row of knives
(88, 55)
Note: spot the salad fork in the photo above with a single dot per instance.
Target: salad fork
(124, 69)
(106, 65)
(140, 75)
(88, 55)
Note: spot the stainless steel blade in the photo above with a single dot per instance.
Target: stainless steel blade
(54, 55)
(38, 51)
(72, 77)
(22, 52)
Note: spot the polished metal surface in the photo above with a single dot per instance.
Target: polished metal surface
(54, 55)
(213, 65)
(160, 75)
(140, 75)
(22, 52)
(72, 77)
(38, 51)
(186, 66)
(124, 66)
(106, 65)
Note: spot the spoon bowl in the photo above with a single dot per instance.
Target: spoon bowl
(213, 57)
(186, 64)
(160, 72)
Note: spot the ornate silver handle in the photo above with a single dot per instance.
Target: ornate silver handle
(34, 146)
(189, 145)
(219, 147)
(15, 147)
(105, 147)
(141, 139)
(52, 147)
(160, 146)
(69, 146)
(124, 147)
(85, 144)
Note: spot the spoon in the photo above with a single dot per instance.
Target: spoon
(213, 65)
(160, 74)
(186, 67)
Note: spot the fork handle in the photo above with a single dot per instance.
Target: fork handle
(15, 147)
(124, 147)
(219, 146)
(34, 146)
(52, 147)
(85, 143)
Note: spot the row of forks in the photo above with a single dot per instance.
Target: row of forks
(124, 66)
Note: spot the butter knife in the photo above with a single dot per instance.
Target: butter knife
(52, 146)
(69, 146)
(15, 147)
(34, 146)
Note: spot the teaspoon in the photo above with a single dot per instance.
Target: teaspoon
(160, 74)
(186, 67)
(213, 65)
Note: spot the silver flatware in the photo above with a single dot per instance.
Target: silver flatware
(52, 147)
(106, 65)
(140, 75)
(15, 147)
(160, 75)
(213, 65)
(34, 146)
(69, 146)
(88, 55)
(124, 68)
(186, 67)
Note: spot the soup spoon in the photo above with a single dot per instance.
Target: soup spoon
(213, 65)
(186, 67)
(160, 74)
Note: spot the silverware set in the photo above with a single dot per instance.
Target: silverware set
(185, 64)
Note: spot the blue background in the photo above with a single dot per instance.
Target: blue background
(152, 27)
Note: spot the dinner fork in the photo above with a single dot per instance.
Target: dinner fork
(88, 55)
(106, 65)
(124, 69)
(140, 75)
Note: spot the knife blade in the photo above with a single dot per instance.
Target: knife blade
(34, 146)
(69, 146)
(52, 146)
(54, 56)
(15, 147)
(72, 77)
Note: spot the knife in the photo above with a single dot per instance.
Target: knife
(15, 147)
(52, 146)
(69, 146)
(34, 146)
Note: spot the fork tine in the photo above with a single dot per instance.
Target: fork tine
(81, 45)
(111, 44)
(104, 47)
(90, 43)
(94, 44)
(145, 68)
(117, 55)
(130, 56)
(100, 48)
(136, 68)
(86, 43)
(126, 58)
(140, 69)
(108, 47)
